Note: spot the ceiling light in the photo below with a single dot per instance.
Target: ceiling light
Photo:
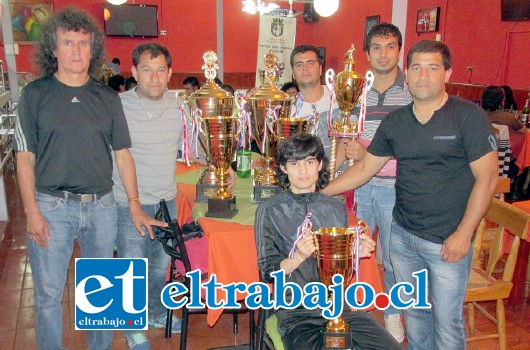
(117, 2)
(255, 6)
(326, 8)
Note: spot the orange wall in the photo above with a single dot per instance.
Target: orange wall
(472, 29)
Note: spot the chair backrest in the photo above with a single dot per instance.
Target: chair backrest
(503, 187)
(509, 218)
(172, 239)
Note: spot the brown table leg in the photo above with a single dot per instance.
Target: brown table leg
(515, 300)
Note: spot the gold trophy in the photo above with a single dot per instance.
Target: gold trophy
(268, 105)
(348, 87)
(220, 134)
(335, 254)
(210, 100)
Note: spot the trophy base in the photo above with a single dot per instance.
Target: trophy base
(262, 193)
(221, 208)
(204, 192)
(336, 341)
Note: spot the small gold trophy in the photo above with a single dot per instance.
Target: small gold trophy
(268, 105)
(221, 134)
(335, 254)
(209, 101)
(348, 87)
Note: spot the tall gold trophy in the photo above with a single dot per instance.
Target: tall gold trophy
(268, 106)
(335, 254)
(209, 101)
(348, 86)
(221, 134)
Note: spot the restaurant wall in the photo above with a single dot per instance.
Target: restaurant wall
(191, 30)
(497, 51)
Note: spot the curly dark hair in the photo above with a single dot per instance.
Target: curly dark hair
(491, 98)
(384, 30)
(68, 19)
(298, 147)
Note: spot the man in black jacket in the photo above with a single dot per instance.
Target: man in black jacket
(301, 170)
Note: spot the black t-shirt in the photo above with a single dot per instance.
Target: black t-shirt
(71, 131)
(434, 179)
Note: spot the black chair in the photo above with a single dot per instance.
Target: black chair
(172, 239)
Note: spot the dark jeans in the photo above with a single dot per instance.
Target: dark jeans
(304, 330)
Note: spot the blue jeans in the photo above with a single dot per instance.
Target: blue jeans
(93, 224)
(442, 327)
(374, 205)
(132, 245)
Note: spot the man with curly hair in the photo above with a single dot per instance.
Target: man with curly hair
(301, 170)
(67, 124)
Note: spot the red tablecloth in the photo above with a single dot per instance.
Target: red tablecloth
(523, 160)
(523, 256)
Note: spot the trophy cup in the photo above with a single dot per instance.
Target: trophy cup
(335, 254)
(210, 100)
(268, 105)
(220, 134)
(348, 88)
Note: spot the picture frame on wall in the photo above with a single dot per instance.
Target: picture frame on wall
(27, 18)
(370, 22)
(428, 20)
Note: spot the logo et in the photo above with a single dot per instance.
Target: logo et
(111, 294)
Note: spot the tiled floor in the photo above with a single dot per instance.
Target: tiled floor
(17, 313)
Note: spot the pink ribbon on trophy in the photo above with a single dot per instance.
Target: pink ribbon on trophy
(362, 112)
(299, 102)
(331, 88)
(271, 116)
(300, 233)
(195, 126)
(358, 252)
(243, 116)
(186, 151)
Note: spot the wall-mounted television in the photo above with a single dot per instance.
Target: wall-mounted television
(515, 10)
(131, 20)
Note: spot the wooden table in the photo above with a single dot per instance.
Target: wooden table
(232, 254)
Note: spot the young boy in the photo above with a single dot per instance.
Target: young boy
(301, 170)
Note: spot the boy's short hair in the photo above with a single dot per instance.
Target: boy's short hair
(297, 147)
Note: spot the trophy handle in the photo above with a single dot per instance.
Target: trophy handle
(369, 80)
(330, 79)
(182, 102)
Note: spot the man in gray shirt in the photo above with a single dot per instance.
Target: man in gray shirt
(155, 126)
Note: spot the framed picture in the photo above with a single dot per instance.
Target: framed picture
(370, 22)
(27, 18)
(428, 20)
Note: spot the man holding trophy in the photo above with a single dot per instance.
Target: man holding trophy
(447, 173)
(301, 169)
(375, 200)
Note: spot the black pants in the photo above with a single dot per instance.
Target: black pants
(302, 330)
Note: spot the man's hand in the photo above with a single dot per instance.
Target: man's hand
(38, 230)
(455, 247)
(367, 246)
(306, 246)
(354, 150)
(141, 220)
(231, 178)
